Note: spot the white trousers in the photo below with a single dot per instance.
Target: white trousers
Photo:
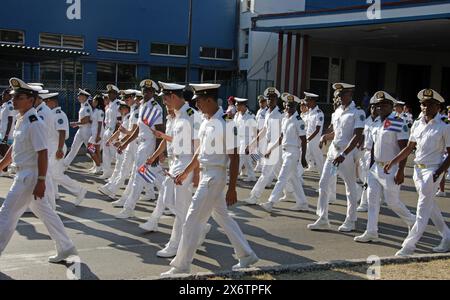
(126, 170)
(347, 171)
(315, 154)
(270, 169)
(364, 166)
(208, 200)
(381, 183)
(18, 199)
(108, 153)
(289, 173)
(56, 170)
(426, 207)
(80, 138)
(143, 153)
(247, 162)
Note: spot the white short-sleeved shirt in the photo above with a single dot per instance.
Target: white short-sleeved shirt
(246, 125)
(185, 126)
(384, 138)
(45, 114)
(134, 118)
(30, 137)
(97, 116)
(112, 115)
(146, 136)
(217, 137)
(345, 121)
(315, 118)
(60, 122)
(293, 128)
(6, 111)
(125, 124)
(432, 139)
(261, 117)
(169, 132)
(272, 124)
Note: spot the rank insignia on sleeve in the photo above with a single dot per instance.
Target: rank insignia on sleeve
(60, 121)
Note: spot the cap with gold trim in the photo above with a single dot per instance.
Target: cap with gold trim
(149, 84)
(20, 87)
(428, 94)
(205, 90)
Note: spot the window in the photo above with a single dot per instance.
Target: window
(171, 74)
(60, 74)
(11, 36)
(9, 69)
(117, 45)
(216, 53)
(122, 75)
(168, 49)
(63, 41)
(216, 75)
(324, 72)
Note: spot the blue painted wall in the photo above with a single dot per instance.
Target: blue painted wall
(146, 21)
(329, 4)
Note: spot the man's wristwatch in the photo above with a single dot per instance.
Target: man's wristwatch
(42, 178)
(343, 154)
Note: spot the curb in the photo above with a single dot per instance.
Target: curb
(307, 267)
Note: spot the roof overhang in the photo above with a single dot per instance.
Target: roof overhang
(36, 54)
(412, 10)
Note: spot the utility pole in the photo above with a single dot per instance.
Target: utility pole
(188, 67)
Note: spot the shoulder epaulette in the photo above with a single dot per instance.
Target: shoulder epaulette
(154, 102)
(58, 111)
(86, 104)
(299, 118)
(226, 117)
(40, 109)
(190, 111)
(33, 118)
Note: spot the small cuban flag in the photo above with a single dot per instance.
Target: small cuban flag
(146, 174)
(393, 124)
(255, 157)
(150, 115)
(91, 148)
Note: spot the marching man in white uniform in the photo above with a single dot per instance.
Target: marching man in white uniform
(348, 127)
(293, 143)
(246, 125)
(185, 128)
(29, 153)
(430, 136)
(112, 117)
(147, 145)
(387, 136)
(217, 150)
(260, 119)
(84, 127)
(272, 132)
(314, 131)
(7, 122)
(58, 133)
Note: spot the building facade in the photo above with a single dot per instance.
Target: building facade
(72, 43)
(397, 46)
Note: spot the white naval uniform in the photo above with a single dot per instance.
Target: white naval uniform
(111, 118)
(292, 129)
(146, 147)
(7, 110)
(315, 117)
(56, 167)
(83, 134)
(30, 137)
(129, 156)
(97, 116)
(432, 139)
(185, 128)
(246, 125)
(271, 166)
(209, 197)
(48, 118)
(384, 143)
(346, 120)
